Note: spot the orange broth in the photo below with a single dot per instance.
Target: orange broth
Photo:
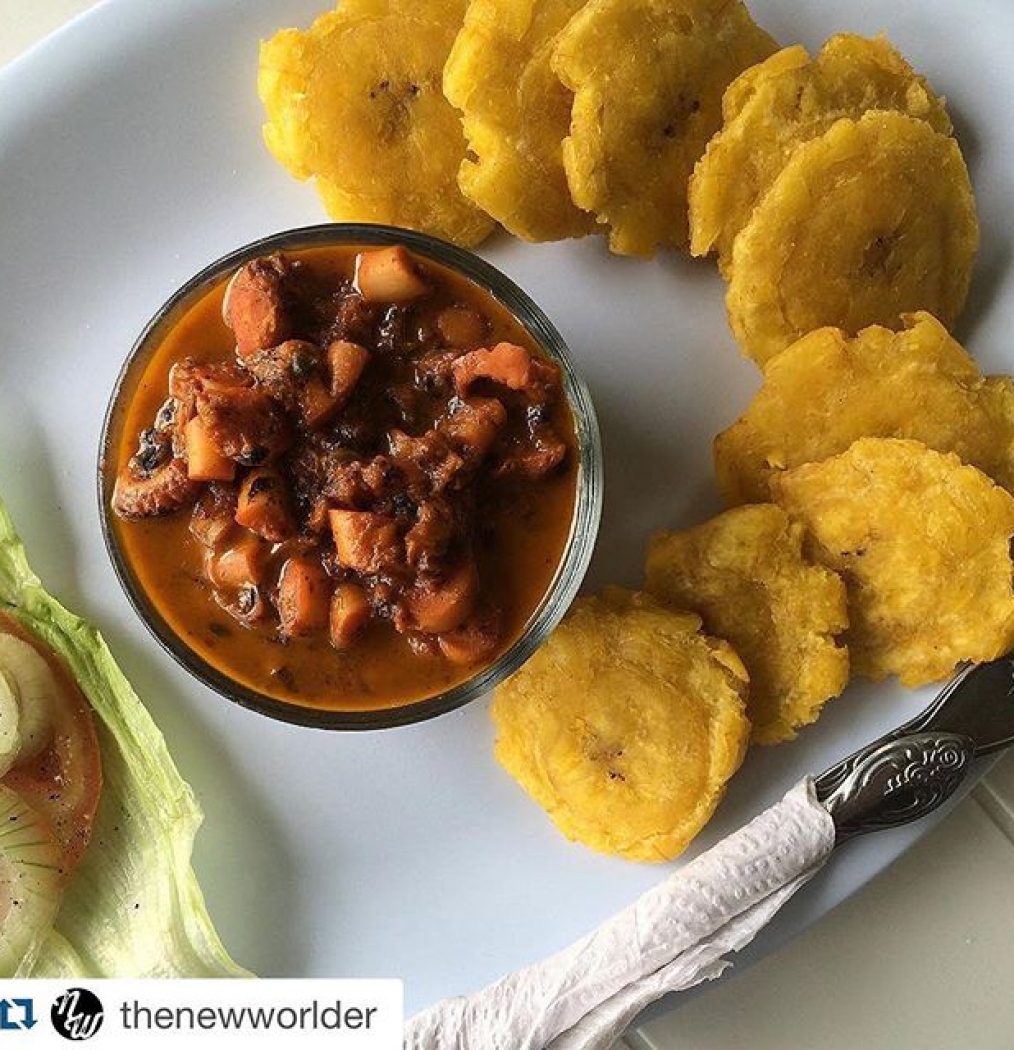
(525, 528)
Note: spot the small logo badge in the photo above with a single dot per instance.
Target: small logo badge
(77, 1014)
(16, 1015)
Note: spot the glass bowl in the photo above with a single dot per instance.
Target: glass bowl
(587, 504)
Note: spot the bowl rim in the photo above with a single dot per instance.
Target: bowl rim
(578, 549)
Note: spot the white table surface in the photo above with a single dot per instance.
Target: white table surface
(923, 957)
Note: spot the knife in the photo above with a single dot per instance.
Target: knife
(911, 770)
(682, 931)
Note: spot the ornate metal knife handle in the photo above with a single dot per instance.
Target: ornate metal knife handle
(893, 781)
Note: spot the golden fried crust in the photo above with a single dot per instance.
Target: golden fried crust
(648, 78)
(516, 113)
(745, 574)
(826, 390)
(367, 119)
(783, 101)
(625, 725)
(923, 543)
(873, 219)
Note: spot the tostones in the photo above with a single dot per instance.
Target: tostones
(923, 544)
(625, 725)
(783, 101)
(648, 78)
(356, 103)
(745, 574)
(873, 219)
(827, 390)
(516, 114)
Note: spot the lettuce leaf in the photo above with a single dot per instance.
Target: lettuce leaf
(133, 908)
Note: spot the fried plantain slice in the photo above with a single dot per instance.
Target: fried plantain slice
(785, 100)
(827, 390)
(625, 725)
(356, 103)
(516, 113)
(648, 78)
(873, 219)
(745, 575)
(923, 544)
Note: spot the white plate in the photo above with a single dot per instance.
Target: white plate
(130, 156)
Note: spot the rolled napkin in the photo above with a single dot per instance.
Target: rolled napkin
(672, 937)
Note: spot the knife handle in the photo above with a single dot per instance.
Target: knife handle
(894, 780)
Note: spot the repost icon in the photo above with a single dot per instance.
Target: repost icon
(16, 1015)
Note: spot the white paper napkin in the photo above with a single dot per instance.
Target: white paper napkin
(671, 938)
